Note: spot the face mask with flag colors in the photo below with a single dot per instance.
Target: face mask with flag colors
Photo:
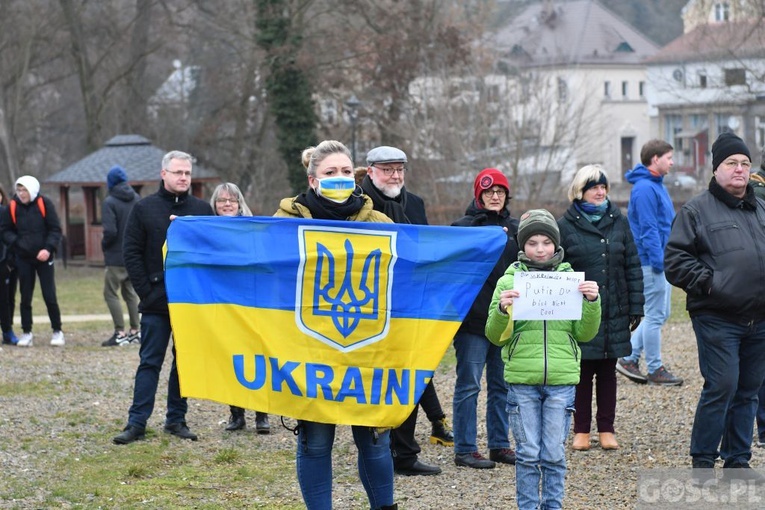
(336, 189)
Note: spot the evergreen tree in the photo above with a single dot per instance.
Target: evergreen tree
(288, 87)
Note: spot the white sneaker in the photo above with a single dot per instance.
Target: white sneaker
(25, 340)
(57, 338)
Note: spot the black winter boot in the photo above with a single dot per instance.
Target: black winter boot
(236, 421)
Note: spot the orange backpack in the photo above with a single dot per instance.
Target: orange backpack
(40, 205)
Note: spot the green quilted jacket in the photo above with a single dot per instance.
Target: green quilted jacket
(540, 352)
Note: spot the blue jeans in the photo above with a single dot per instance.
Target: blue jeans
(540, 417)
(155, 337)
(732, 362)
(658, 295)
(314, 464)
(761, 415)
(473, 353)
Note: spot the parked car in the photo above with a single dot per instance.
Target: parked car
(680, 181)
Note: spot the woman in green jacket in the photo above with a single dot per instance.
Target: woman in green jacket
(541, 365)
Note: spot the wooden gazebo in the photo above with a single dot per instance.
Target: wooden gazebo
(81, 220)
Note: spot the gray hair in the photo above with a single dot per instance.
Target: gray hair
(175, 155)
(233, 191)
(313, 156)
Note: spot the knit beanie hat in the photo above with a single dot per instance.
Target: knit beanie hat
(726, 145)
(487, 178)
(116, 175)
(538, 221)
(31, 184)
(591, 184)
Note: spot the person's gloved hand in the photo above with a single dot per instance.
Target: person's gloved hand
(635, 321)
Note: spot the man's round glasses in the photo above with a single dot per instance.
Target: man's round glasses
(390, 171)
(226, 201)
(488, 193)
(178, 173)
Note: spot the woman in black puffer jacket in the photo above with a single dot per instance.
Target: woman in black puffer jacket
(597, 239)
(490, 207)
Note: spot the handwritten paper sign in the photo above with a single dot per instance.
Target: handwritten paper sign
(548, 295)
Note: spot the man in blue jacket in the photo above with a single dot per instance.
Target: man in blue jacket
(650, 214)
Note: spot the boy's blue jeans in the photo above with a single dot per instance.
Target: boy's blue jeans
(540, 417)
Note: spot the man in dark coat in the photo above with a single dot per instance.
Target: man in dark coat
(114, 215)
(145, 235)
(384, 183)
(715, 253)
(31, 228)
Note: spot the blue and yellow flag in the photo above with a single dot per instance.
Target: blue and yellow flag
(328, 321)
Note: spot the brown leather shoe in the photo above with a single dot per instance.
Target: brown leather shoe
(581, 441)
(608, 441)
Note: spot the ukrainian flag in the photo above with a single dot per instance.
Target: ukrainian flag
(329, 321)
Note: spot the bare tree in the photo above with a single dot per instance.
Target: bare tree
(30, 75)
(98, 32)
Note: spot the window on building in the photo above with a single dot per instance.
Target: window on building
(562, 90)
(641, 88)
(492, 93)
(698, 121)
(721, 123)
(672, 124)
(703, 80)
(759, 131)
(735, 76)
(722, 11)
(607, 89)
(625, 89)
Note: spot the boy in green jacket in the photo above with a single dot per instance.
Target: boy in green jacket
(541, 365)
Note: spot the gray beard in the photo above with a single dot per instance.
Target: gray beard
(390, 192)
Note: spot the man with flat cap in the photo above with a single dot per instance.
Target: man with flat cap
(716, 254)
(384, 183)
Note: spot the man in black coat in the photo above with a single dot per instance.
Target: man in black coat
(715, 254)
(142, 249)
(114, 216)
(384, 183)
(31, 229)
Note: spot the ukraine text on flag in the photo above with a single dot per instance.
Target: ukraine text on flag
(328, 321)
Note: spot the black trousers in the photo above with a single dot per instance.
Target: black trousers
(27, 270)
(403, 445)
(8, 283)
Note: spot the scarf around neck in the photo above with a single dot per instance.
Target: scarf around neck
(393, 208)
(593, 213)
(323, 209)
(547, 265)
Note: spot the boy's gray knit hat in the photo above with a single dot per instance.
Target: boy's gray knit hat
(538, 221)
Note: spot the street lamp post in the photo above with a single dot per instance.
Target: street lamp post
(353, 104)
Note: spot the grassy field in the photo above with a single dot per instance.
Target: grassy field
(79, 290)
